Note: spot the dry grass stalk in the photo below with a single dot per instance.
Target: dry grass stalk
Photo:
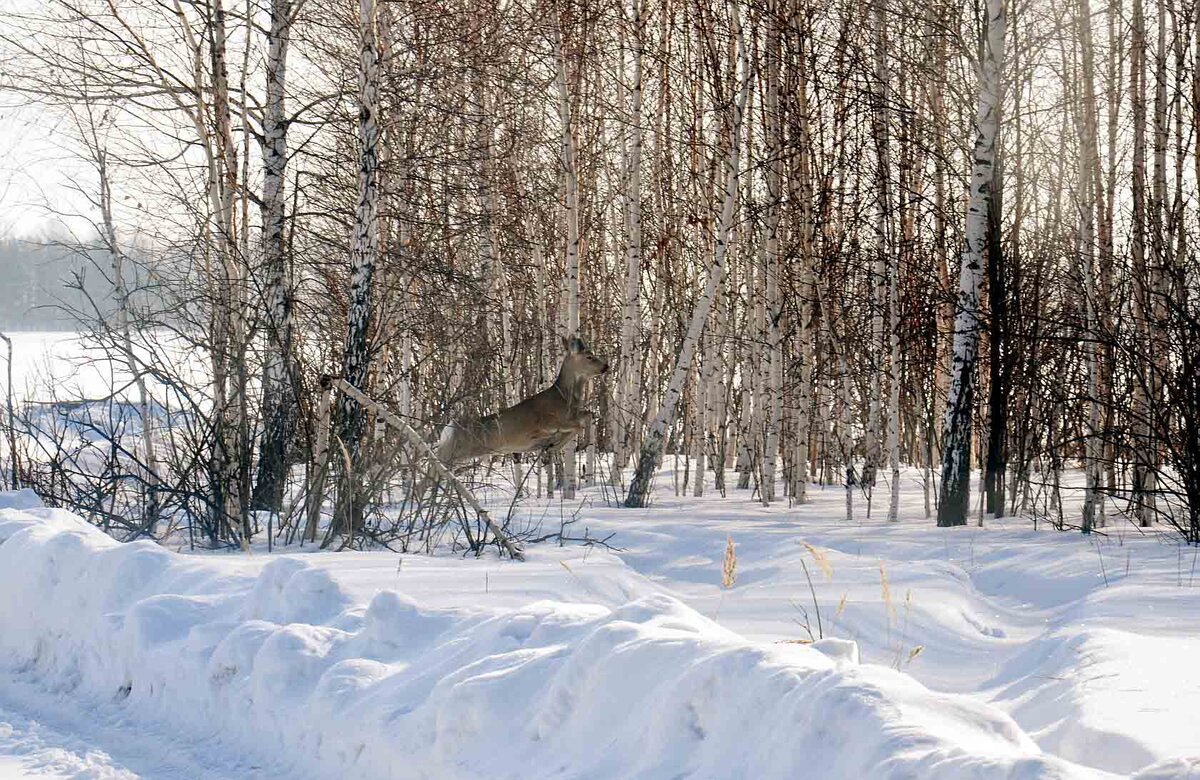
(821, 559)
(729, 565)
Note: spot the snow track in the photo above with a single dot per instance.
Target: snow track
(53, 735)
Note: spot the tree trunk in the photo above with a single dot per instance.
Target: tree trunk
(772, 265)
(1088, 184)
(571, 215)
(364, 254)
(956, 445)
(996, 460)
(651, 452)
(279, 377)
(629, 382)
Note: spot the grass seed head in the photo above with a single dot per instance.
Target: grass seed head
(821, 559)
(729, 565)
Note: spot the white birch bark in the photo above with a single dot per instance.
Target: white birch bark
(231, 411)
(881, 126)
(651, 451)
(278, 400)
(700, 420)
(747, 377)
(892, 424)
(364, 249)
(719, 382)
(629, 383)
(892, 443)
(1143, 307)
(1156, 310)
(845, 438)
(1089, 160)
(773, 395)
(956, 444)
(498, 320)
(571, 215)
(802, 203)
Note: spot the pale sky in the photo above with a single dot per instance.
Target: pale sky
(36, 168)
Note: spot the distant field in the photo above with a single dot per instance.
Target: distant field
(64, 366)
(42, 360)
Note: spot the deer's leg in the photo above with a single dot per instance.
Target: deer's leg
(559, 439)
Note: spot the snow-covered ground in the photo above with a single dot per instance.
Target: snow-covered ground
(42, 360)
(985, 652)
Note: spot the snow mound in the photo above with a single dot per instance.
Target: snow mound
(282, 662)
(20, 499)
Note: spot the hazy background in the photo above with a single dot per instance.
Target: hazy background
(41, 219)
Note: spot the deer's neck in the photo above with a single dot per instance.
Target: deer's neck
(570, 388)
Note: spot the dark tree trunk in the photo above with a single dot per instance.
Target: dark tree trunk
(999, 370)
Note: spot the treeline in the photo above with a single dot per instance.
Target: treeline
(48, 287)
(818, 241)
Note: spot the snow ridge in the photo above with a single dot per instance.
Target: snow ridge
(281, 662)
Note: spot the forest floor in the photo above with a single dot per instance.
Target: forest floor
(995, 651)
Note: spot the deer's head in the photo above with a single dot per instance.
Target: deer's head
(580, 364)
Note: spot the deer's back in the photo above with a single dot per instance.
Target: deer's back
(528, 425)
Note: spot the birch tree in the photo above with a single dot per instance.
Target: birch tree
(568, 157)
(279, 375)
(956, 439)
(629, 387)
(651, 452)
(771, 248)
(1089, 164)
(364, 254)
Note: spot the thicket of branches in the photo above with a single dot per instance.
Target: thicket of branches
(758, 211)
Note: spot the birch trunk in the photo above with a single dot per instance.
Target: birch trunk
(364, 254)
(1161, 243)
(629, 383)
(1143, 469)
(746, 412)
(278, 399)
(773, 401)
(881, 130)
(889, 259)
(700, 420)
(651, 451)
(802, 197)
(571, 215)
(14, 467)
(232, 463)
(956, 446)
(1088, 184)
(149, 455)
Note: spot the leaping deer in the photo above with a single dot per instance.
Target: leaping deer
(543, 422)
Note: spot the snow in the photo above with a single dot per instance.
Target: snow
(59, 360)
(957, 653)
(70, 366)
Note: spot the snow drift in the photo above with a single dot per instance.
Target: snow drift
(278, 660)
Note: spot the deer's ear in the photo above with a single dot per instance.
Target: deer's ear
(577, 346)
(566, 343)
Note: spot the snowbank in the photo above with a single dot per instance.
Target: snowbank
(280, 661)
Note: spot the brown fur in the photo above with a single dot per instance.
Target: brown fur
(543, 422)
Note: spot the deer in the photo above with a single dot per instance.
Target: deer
(544, 422)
